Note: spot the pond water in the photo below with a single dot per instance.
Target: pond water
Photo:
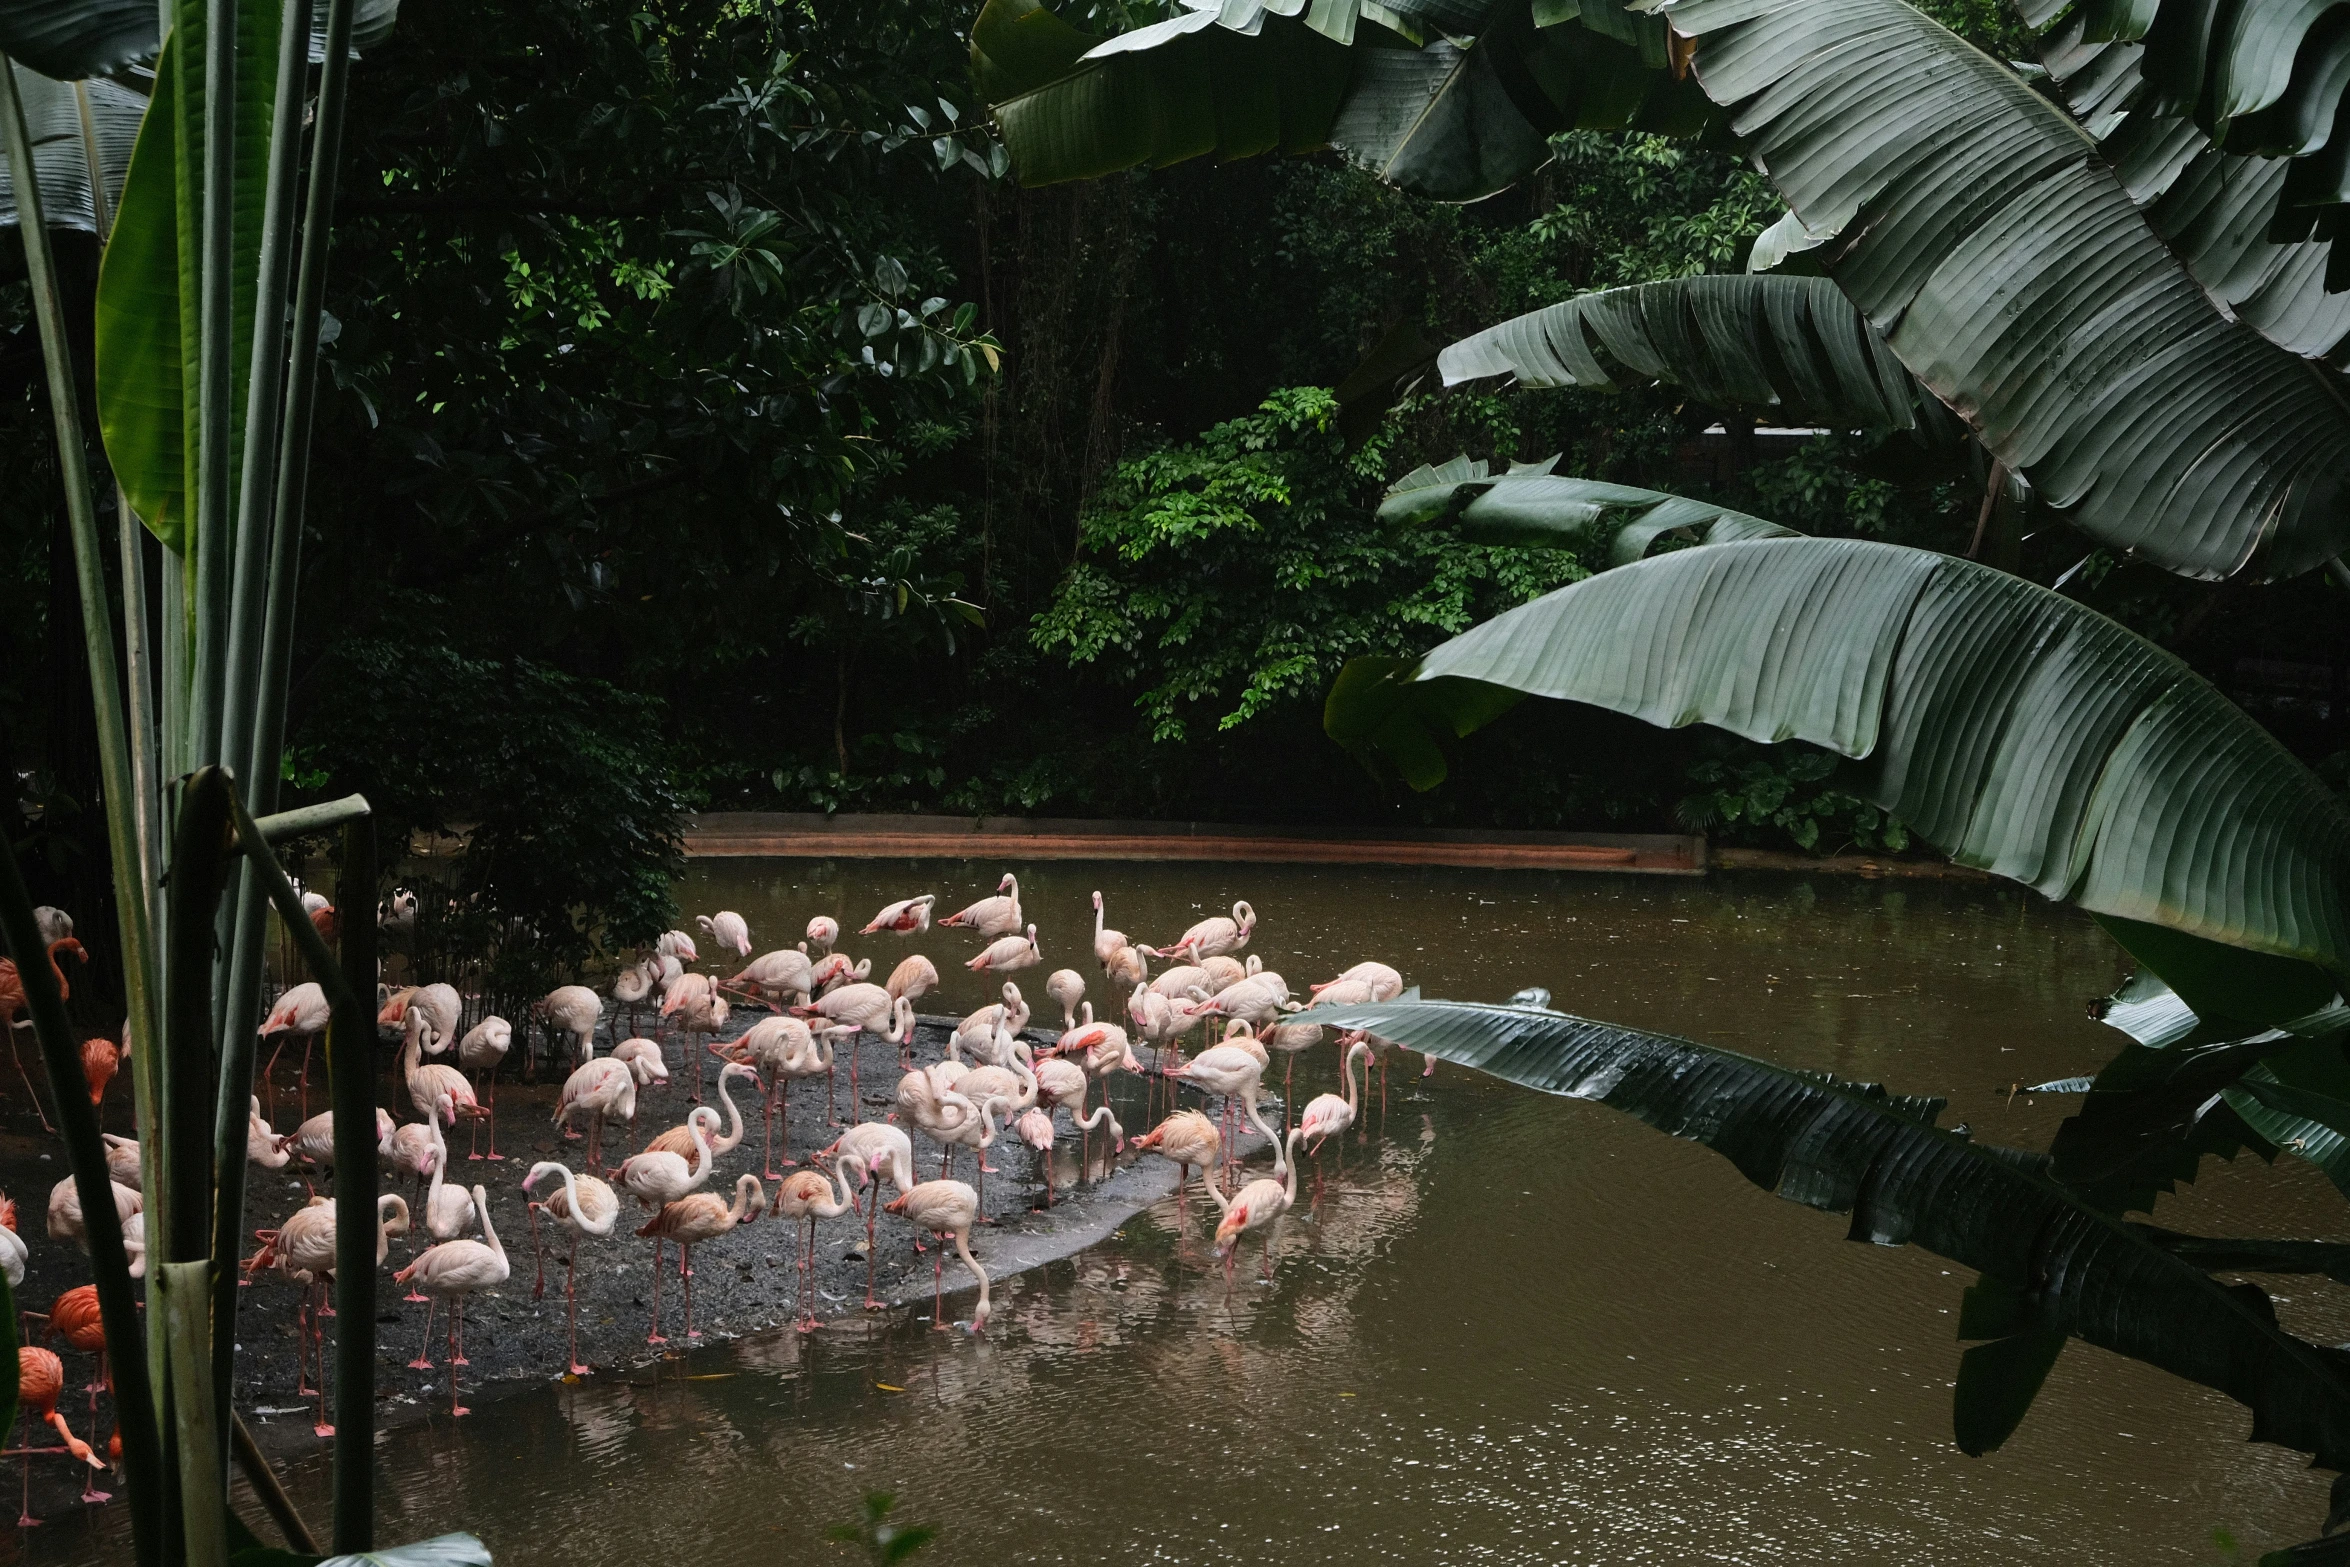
(1514, 1329)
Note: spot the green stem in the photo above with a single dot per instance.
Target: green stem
(304, 820)
(183, 1300)
(215, 535)
(350, 1056)
(85, 1156)
(199, 866)
(265, 380)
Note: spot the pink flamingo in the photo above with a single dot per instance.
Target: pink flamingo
(871, 1148)
(303, 1013)
(451, 1271)
(585, 1206)
(906, 916)
(946, 1209)
(991, 917)
(689, 1221)
(808, 1195)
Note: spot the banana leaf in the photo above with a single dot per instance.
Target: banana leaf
(2014, 276)
(1794, 345)
(78, 38)
(1532, 506)
(2063, 1266)
(2016, 730)
(55, 123)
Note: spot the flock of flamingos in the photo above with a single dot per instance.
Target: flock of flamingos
(991, 1085)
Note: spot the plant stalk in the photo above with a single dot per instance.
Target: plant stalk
(305, 820)
(255, 545)
(85, 1156)
(350, 1054)
(214, 540)
(183, 1301)
(199, 871)
(271, 1490)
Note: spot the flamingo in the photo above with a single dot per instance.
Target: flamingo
(1234, 1072)
(1259, 999)
(123, 1159)
(679, 1140)
(54, 924)
(633, 984)
(677, 944)
(977, 1033)
(448, 1210)
(301, 1013)
(443, 1010)
(573, 1010)
(835, 970)
(809, 1195)
(16, 1007)
(1188, 1138)
(992, 917)
(1289, 1039)
(1035, 1128)
(1105, 942)
(410, 1149)
(1260, 1205)
(656, 1180)
(870, 1148)
(781, 1050)
(13, 1254)
(642, 1057)
(700, 1010)
(946, 1209)
(483, 1047)
(906, 916)
(1066, 986)
(689, 1221)
(262, 1145)
(101, 1059)
(942, 1113)
(913, 979)
(302, 1250)
(1223, 973)
(1008, 954)
(602, 1090)
(1327, 1115)
(451, 1271)
(585, 1206)
(728, 931)
(775, 975)
(1126, 968)
(1060, 1082)
(428, 1081)
(75, 1318)
(40, 1378)
(863, 1009)
(822, 932)
(1215, 936)
(313, 1142)
(1379, 982)
(1010, 1090)
(65, 1211)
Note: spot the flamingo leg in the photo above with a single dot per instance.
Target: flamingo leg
(495, 1156)
(423, 1360)
(302, 1328)
(767, 1127)
(25, 1518)
(321, 1428)
(686, 1267)
(538, 1288)
(571, 1304)
(457, 1333)
(856, 1094)
(655, 1337)
(938, 1292)
(18, 1053)
(872, 1218)
(457, 1310)
(268, 1083)
(473, 1134)
(831, 1098)
(785, 1091)
(308, 1041)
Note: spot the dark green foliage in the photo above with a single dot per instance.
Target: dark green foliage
(560, 785)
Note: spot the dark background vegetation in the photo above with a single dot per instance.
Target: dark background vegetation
(712, 423)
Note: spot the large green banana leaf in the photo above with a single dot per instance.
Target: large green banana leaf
(2053, 1264)
(2011, 272)
(1530, 505)
(2013, 728)
(69, 39)
(1794, 345)
(148, 292)
(55, 121)
(1451, 99)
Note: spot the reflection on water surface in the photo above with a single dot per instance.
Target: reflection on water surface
(1512, 1329)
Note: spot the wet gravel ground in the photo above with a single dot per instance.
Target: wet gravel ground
(744, 1282)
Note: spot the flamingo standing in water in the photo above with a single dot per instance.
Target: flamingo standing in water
(808, 1195)
(728, 931)
(906, 916)
(947, 1209)
(689, 1221)
(302, 1250)
(1106, 942)
(301, 1013)
(1008, 954)
(992, 917)
(1035, 1128)
(1327, 1115)
(1260, 1205)
(478, 1053)
(860, 1009)
(872, 1148)
(585, 1206)
(1188, 1138)
(40, 1378)
(1061, 1082)
(822, 932)
(1236, 1073)
(452, 1271)
(1215, 936)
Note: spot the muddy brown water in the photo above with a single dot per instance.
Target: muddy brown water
(1512, 1329)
